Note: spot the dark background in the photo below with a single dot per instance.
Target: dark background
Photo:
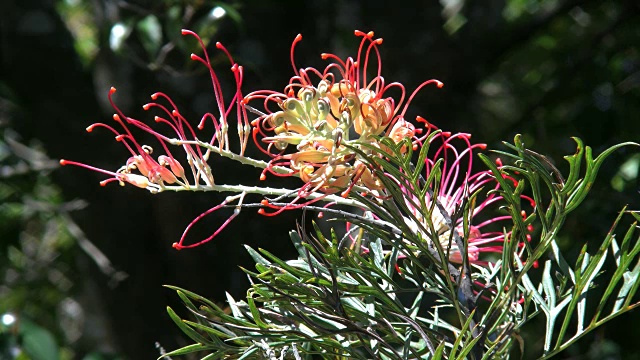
(546, 69)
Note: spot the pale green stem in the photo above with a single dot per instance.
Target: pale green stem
(252, 189)
(233, 156)
(264, 191)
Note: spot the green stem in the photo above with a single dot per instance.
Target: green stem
(233, 156)
(268, 191)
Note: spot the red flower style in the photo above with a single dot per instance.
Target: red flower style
(458, 181)
(326, 119)
(155, 174)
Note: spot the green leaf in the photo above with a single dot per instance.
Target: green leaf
(438, 355)
(216, 334)
(255, 312)
(464, 331)
(582, 189)
(248, 353)
(187, 301)
(185, 328)
(185, 350)
(195, 296)
(574, 166)
(259, 259)
(561, 262)
(234, 306)
(37, 342)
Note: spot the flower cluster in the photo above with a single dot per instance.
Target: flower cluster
(325, 128)
(333, 121)
(441, 211)
(155, 174)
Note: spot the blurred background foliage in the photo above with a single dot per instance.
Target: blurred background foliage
(81, 266)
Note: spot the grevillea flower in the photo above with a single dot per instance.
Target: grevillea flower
(144, 170)
(314, 126)
(457, 184)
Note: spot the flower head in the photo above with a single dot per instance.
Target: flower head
(144, 170)
(439, 215)
(315, 125)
